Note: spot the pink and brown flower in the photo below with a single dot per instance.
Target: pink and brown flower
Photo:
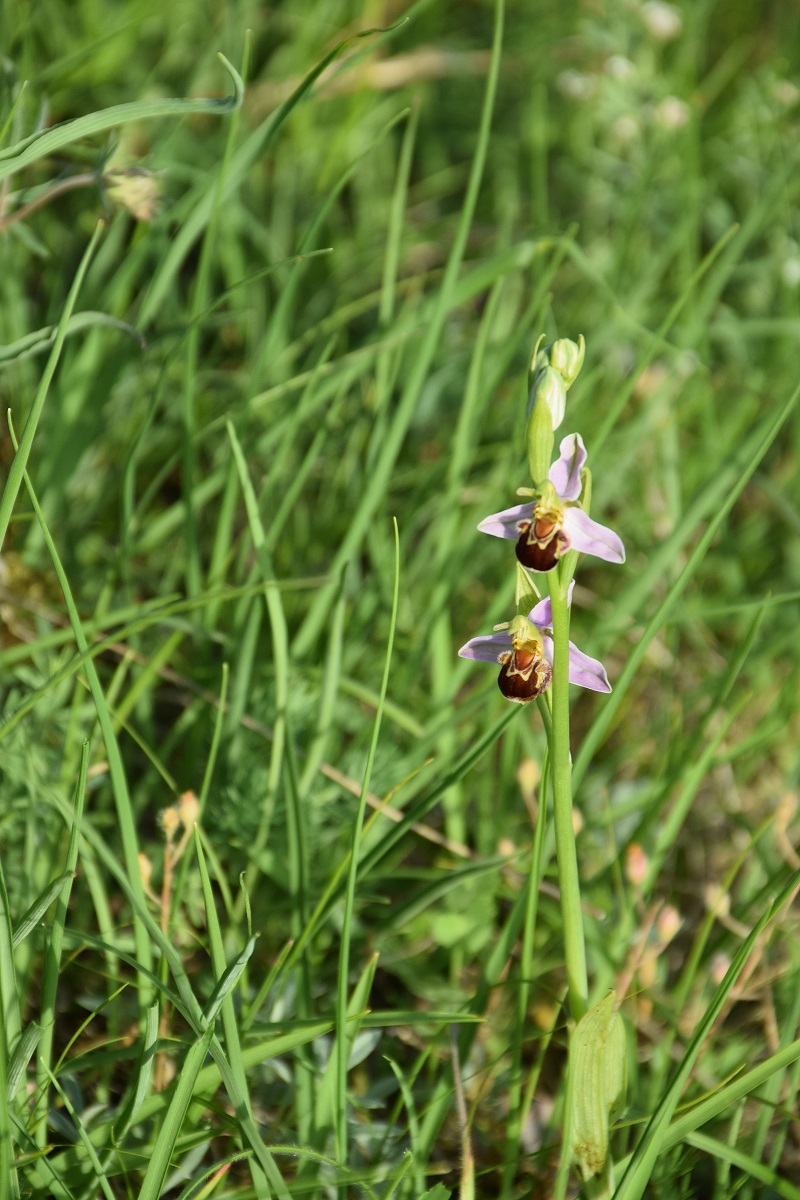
(524, 650)
(546, 527)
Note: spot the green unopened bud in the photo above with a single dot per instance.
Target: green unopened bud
(599, 1076)
(540, 441)
(548, 385)
(567, 357)
(564, 355)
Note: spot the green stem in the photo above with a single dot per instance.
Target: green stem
(561, 766)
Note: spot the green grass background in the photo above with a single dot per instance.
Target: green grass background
(325, 328)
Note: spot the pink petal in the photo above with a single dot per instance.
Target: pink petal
(542, 614)
(504, 524)
(487, 648)
(584, 671)
(587, 672)
(589, 537)
(565, 473)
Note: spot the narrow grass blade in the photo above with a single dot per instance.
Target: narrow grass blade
(199, 302)
(164, 1147)
(119, 781)
(157, 613)
(20, 1059)
(42, 339)
(17, 470)
(699, 755)
(421, 363)
(421, 807)
(230, 977)
(516, 1112)
(33, 916)
(655, 1139)
(40, 145)
(751, 1167)
(280, 652)
(9, 1185)
(9, 992)
(279, 320)
(40, 1176)
(350, 889)
(187, 1003)
(726, 1097)
(252, 1056)
(99, 1172)
(413, 1124)
(141, 1085)
(204, 1185)
(225, 1000)
(240, 164)
(766, 434)
(52, 962)
(402, 1169)
(328, 1091)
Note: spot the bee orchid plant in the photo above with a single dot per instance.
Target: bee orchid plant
(536, 660)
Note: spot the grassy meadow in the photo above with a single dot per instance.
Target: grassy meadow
(280, 907)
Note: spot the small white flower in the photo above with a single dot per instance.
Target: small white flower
(672, 113)
(786, 93)
(619, 67)
(576, 85)
(625, 129)
(790, 270)
(662, 21)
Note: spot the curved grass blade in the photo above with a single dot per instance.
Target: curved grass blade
(42, 339)
(156, 612)
(18, 1062)
(751, 1167)
(764, 437)
(280, 651)
(420, 365)
(39, 145)
(222, 998)
(125, 815)
(52, 961)
(97, 1166)
(240, 164)
(34, 914)
(141, 1085)
(657, 1136)
(350, 888)
(164, 1148)
(17, 470)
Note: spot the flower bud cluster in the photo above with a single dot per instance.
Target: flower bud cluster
(554, 369)
(550, 523)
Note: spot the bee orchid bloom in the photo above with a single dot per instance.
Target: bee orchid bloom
(553, 522)
(524, 650)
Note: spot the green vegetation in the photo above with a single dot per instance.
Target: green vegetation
(279, 900)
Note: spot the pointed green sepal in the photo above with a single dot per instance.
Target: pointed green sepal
(525, 598)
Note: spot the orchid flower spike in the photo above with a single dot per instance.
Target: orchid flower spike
(554, 522)
(524, 650)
